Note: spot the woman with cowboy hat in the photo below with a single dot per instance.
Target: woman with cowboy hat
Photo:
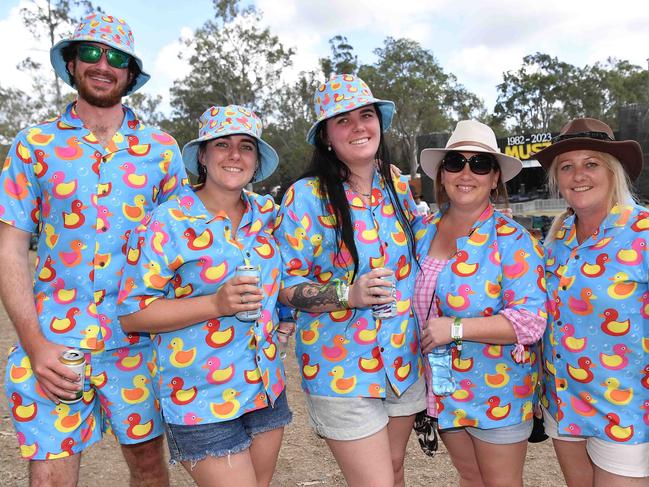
(596, 347)
(480, 291)
(221, 379)
(345, 238)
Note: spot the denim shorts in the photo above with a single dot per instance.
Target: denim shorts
(195, 442)
(353, 418)
(506, 435)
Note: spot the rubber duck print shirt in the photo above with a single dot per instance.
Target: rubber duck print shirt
(219, 369)
(596, 346)
(349, 353)
(498, 268)
(84, 199)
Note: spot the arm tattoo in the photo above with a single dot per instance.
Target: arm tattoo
(312, 297)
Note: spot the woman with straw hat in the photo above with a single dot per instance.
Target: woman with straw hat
(347, 245)
(596, 347)
(221, 379)
(481, 305)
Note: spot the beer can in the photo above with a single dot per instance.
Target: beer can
(249, 270)
(75, 360)
(387, 310)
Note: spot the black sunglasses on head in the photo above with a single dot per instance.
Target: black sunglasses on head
(586, 135)
(480, 163)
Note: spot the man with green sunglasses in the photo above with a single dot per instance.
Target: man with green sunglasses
(88, 177)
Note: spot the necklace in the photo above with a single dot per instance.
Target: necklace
(357, 191)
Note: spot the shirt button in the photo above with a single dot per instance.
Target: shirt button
(564, 288)
(102, 264)
(559, 356)
(576, 257)
(382, 349)
(258, 358)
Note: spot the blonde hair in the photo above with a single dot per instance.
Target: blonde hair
(620, 189)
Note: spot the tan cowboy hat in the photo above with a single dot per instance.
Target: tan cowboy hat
(593, 134)
(471, 136)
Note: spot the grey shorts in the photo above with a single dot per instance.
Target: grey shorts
(506, 435)
(353, 418)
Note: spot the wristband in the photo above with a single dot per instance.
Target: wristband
(457, 332)
(342, 293)
(285, 313)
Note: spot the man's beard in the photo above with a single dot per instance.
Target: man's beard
(104, 99)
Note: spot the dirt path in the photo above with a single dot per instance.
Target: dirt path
(304, 460)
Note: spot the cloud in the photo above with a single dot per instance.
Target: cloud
(18, 44)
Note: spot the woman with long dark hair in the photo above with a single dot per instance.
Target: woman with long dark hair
(349, 250)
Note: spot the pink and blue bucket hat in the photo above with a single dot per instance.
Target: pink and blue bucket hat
(105, 29)
(344, 93)
(218, 122)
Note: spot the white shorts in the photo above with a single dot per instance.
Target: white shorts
(616, 458)
(353, 418)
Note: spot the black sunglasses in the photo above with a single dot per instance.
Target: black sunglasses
(479, 163)
(586, 135)
(91, 54)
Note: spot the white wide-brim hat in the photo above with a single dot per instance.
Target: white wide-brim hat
(470, 136)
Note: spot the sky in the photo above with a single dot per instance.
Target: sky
(476, 40)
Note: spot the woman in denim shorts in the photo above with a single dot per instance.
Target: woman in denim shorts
(221, 382)
(344, 232)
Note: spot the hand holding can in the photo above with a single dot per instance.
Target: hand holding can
(254, 271)
(388, 310)
(75, 360)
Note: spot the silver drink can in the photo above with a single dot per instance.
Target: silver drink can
(248, 270)
(75, 360)
(387, 310)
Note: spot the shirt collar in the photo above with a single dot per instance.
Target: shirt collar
(377, 192)
(130, 125)
(191, 207)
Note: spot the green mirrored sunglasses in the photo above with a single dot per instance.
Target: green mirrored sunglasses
(91, 54)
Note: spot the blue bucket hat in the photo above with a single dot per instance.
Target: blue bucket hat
(105, 29)
(344, 93)
(231, 120)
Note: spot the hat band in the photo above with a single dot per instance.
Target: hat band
(472, 142)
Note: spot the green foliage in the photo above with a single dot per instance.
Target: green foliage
(427, 99)
(545, 92)
(342, 59)
(232, 60)
(287, 131)
(57, 19)
(146, 107)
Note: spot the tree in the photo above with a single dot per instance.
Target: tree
(532, 98)
(13, 116)
(55, 19)
(427, 98)
(545, 92)
(146, 107)
(342, 59)
(232, 60)
(287, 131)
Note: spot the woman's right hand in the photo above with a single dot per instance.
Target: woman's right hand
(241, 293)
(369, 289)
